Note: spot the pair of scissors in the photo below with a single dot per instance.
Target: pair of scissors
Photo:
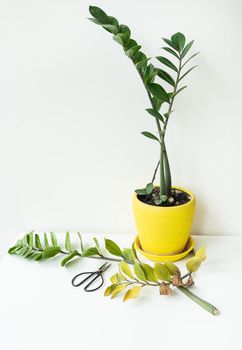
(96, 274)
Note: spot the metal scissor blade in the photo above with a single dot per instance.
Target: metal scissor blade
(104, 267)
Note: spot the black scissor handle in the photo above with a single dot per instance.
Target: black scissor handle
(90, 274)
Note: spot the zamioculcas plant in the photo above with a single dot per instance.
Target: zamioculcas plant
(161, 99)
(162, 83)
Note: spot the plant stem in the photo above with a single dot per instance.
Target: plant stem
(162, 175)
(204, 304)
(156, 168)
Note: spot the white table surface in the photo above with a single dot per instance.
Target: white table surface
(39, 308)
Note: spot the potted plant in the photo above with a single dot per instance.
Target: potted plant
(163, 213)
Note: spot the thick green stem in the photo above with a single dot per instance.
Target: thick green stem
(162, 175)
(204, 304)
(167, 173)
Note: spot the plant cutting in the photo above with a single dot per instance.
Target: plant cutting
(163, 213)
(132, 275)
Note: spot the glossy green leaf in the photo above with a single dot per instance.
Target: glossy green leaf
(179, 40)
(113, 21)
(168, 49)
(131, 44)
(170, 43)
(124, 267)
(99, 14)
(121, 38)
(132, 51)
(167, 62)
(165, 76)
(186, 49)
(128, 255)
(150, 74)
(69, 257)
(68, 242)
(38, 242)
(141, 191)
(50, 252)
(188, 71)
(112, 247)
(90, 251)
(149, 188)
(53, 239)
(162, 272)
(132, 293)
(149, 273)
(38, 256)
(155, 114)
(158, 91)
(46, 240)
(30, 239)
(110, 28)
(150, 135)
(125, 29)
(139, 272)
(157, 103)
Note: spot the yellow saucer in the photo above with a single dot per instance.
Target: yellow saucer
(162, 258)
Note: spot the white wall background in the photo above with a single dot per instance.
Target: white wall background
(72, 109)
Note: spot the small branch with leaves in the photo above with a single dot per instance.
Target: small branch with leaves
(163, 276)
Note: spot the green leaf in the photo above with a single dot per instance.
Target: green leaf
(195, 54)
(117, 290)
(69, 257)
(121, 38)
(15, 248)
(128, 255)
(189, 70)
(193, 264)
(178, 40)
(149, 273)
(99, 14)
(132, 51)
(50, 252)
(68, 242)
(170, 43)
(90, 251)
(113, 21)
(139, 272)
(150, 136)
(165, 76)
(53, 239)
(30, 239)
(110, 28)
(131, 44)
(38, 256)
(125, 30)
(186, 49)
(150, 74)
(80, 238)
(168, 49)
(46, 240)
(162, 272)
(38, 242)
(149, 188)
(172, 268)
(179, 90)
(158, 91)
(154, 113)
(132, 293)
(28, 253)
(95, 21)
(167, 62)
(139, 57)
(124, 267)
(97, 245)
(112, 247)
(157, 103)
(141, 191)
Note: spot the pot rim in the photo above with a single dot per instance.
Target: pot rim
(169, 207)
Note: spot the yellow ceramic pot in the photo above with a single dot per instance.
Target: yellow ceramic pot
(163, 230)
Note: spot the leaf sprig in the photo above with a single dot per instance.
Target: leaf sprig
(132, 276)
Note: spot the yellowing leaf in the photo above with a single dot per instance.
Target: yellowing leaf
(117, 290)
(114, 278)
(132, 293)
(162, 272)
(201, 254)
(125, 269)
(109, 290)
(193, 264)
(172, 268)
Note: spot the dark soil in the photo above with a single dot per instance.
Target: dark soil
(177, 197)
